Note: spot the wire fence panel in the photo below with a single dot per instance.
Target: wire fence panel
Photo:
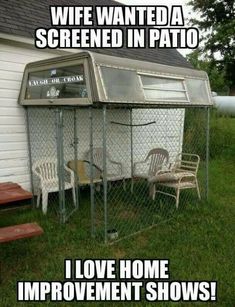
(196, 129)
(70, 156)
(84, 177)
(148, 178)
(52, 145)
(124, 169)
(43, 144)
(97, 171)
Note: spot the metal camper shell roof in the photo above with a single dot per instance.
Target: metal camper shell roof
(88, 78)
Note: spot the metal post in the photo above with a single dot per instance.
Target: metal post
(105, 174)
(75, 154)
(131, 123)
(30, 156)
(207, 150)
(60, 162)
(92, 191)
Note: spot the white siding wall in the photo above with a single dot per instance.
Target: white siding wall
(13, 139)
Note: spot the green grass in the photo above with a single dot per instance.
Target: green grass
(199, 241)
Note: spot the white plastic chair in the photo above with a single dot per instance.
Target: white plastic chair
(155, 160)
(46, 171)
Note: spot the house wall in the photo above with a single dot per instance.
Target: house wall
(167, 132)
(13, 137)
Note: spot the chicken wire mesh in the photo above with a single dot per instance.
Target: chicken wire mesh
(146, 180)
(119, 166)
(53, 142)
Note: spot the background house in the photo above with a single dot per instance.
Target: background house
(18, 20)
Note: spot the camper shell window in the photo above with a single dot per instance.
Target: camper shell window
(129, 85)
(121, 84)
(158, 88)
(56, 83)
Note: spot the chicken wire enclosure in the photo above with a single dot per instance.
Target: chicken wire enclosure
(91, 156)
(125, 205)
(128, 137)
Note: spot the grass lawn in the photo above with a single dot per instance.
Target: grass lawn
(199, 241)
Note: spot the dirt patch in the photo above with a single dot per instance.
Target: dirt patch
(118, 253)
(128, 214)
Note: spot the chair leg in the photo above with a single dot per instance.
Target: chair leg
(152, 191)
(177, 198)
(44, 202)
(74, 196)
(124, 184)
(38, 199)
(97, 187)
(198, 190)
(132, 185)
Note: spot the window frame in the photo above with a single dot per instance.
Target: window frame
(142, 87)
(56, 101)
(165, 101)
(101, 77)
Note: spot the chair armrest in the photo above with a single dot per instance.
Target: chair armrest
(71, 172)
(37, 175)
(94, 165)
(136, 163)
(118, 164)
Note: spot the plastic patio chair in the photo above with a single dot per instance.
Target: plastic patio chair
(46, 171)
(79, 166)
(156, 160)
(182, 175)
(114, 168)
